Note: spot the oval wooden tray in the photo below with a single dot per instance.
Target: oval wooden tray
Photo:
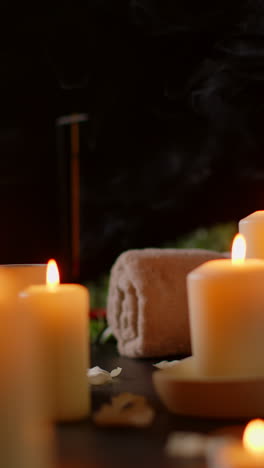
(184, 392)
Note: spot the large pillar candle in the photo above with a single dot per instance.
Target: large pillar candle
(252, 228)
(226, 307)
(25, 434)
(61, 311)
(21, 276)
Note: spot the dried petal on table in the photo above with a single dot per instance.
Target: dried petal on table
(126, 409)
(98, 376)
(165, 364)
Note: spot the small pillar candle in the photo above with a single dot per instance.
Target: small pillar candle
(226, 304)
(252, 228)
(234, 454)
(61, 311)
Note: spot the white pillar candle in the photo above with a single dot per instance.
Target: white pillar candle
(25, 435)
(226, 307)
(61, 311)
(252, 228)
(234, 454)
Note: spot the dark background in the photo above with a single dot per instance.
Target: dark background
(175, 97)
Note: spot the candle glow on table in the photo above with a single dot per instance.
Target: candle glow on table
(248, 454)
(61, 311)
(226, 308)
(252, 228)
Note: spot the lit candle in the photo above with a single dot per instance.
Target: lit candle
(226, 305)
(252, 228)
(248, 454)
(61, 311)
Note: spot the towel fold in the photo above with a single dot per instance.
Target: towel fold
(147, 301)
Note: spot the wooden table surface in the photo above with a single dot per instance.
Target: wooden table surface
(82, 444)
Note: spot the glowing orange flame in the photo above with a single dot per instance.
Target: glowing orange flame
(239, 249)
(52, 276)
(253, 437)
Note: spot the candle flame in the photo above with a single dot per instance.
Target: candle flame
(52, 276)
(239, 249)
(253, 437)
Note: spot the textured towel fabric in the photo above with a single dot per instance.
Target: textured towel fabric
(147, 301)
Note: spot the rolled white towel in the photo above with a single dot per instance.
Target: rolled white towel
(147, 301)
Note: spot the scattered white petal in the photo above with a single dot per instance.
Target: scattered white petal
(95, 370)
(165, 364)
(116, 372)
(186, 444)
(98, 376)
(194, 445)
